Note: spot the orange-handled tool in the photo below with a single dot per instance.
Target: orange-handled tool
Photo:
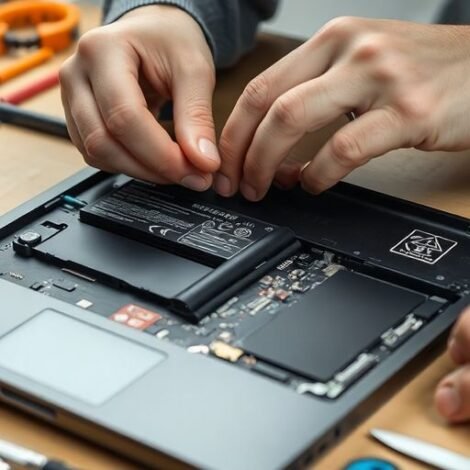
(56, 26)
(26, 63)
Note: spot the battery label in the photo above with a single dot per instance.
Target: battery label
(143, 207)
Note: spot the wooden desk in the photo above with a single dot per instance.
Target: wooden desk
(32, 162)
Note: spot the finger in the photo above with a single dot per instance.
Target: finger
(305, 108)
(373, 134)
(194, 122)
(96, 144)
(452, 396)
(459, 341)
(288, 174)
(124, 111)
(306, 62)
(71, 126)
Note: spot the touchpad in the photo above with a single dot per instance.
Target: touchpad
(74, 357)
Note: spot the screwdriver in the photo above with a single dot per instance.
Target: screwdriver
(20, 456)
(10, 114)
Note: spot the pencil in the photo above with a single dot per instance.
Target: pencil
(10, 114)
(32, 89)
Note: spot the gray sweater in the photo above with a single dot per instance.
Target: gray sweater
(229, 25)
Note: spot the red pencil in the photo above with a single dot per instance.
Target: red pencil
(32, 89)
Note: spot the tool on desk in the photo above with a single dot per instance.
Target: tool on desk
(32, 89)
(370, 463)
(4, 465)
(20, 456)
(56, 27)
(10, 114)
(423, 451)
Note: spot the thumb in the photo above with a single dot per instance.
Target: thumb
(453, 396)
(194, 122)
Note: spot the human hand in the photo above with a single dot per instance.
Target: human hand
(453, 393)
(117, 77)
(406, 83)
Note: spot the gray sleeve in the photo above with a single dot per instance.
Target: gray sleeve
(229, 25)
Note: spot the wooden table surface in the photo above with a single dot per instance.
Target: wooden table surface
(30, 163)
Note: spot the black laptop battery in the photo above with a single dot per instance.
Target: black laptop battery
(194, 229)
(189, 256)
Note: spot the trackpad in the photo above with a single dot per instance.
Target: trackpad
(75, 358)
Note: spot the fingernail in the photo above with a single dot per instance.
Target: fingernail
(248, 191)
(449, 400)
(209, 150)
(222, 185)
(194, 182)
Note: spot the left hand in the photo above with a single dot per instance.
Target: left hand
(453, 393)
(406, 83)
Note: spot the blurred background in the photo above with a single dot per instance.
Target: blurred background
(301, 18)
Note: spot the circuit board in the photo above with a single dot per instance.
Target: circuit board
(230, 331)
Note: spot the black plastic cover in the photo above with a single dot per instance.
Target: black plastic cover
(331, 325)
(172, 273)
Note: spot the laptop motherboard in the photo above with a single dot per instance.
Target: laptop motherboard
(219, 283)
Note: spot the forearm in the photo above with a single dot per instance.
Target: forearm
(229, 26)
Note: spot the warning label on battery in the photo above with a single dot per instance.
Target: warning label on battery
(143, 207)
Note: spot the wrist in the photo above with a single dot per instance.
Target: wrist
(176, 23)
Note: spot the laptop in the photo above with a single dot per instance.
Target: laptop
(186, 330)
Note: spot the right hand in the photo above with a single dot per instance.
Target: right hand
(453, 392)
(111, 85)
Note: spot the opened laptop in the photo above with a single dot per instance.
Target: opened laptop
(184, 329)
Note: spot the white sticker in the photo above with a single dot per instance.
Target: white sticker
(424, 247)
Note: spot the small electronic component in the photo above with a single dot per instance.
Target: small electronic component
(38, 286)
(329, 257)
(162, 334)
(317, 388)
(429, 308)
(357, 369)
(266, 281)
(279, 281)
(73, 201)
(304, 260)
(84, 303)
(296, 274)
(282, 294)
(30, 238)
(300, 286)
(226, 306)
(228, 313)
(199, 349)
(65, 285)
(225, 336)
(258, 304)
(225, 351)
(285, 264)
(135, 317)
(331, 389)
(332, 269)
(204, 331)
(394, 337)
(270, 292)
(16, 276)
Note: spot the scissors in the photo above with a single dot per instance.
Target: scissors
(420, 450)
(56, 26)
